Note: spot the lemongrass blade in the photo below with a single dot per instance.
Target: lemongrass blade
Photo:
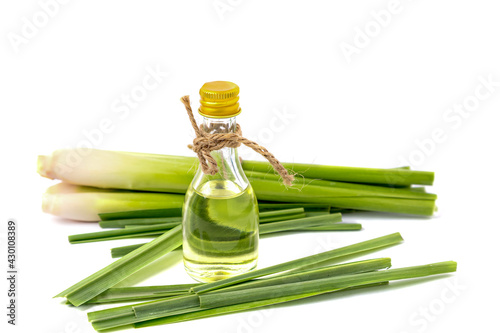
(281, 212)
(139, 221)
(128, 294)
(207, 313)
(139, 214)
(299, 223)
(316, 273)
(120, 233)
(372, 244)
(120, 269)
(399, 176)
(225, 298)
(282, 218)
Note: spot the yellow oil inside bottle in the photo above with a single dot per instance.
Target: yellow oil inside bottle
(220, 230)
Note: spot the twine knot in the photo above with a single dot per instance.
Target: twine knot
(205, 142)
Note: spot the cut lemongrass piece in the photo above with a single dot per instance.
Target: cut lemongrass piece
(314, 223)
(139, 221)
(121, 233)
(266, 206)
(131, 294)
(207, 313)
(144, 213)
(295, 224)
(170, 306)
(225, 298)
(355, 267)
(397, 176)
(281, 212)
(120, 269)
(269, 216)
(357, 248)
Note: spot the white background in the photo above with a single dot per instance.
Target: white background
(304, 99)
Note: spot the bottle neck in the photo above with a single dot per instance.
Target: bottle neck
(227, 159)
(221, 126)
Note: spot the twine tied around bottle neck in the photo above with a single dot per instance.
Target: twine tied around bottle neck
(205, 142)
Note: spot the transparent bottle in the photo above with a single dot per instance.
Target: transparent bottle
(220, 212)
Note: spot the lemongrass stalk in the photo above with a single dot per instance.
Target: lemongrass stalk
(355, 267)
(101, 169)
(397, 176)
(151, 230)
(268, 216)
(207, 313)
(179, 304)
(265, 206)
(109, 318)
(295, 224)
(120, 269)
(129, 294)
(281, 218)
(118, 252)
(139, 221)
(150, 172)
(85, 203)
(357, 248)
(225, 298)
(281, 212)
(115, 169)
(272, 190)
(121, 233)
(144, 213)
(348, 189)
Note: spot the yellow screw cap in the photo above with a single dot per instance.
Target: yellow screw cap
(219, 99)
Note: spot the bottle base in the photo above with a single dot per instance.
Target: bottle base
(216, 272)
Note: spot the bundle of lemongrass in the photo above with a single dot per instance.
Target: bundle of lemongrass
(141, 195)
(108, 181)
(297, 279)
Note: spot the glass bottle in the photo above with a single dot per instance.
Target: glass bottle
(220, 212)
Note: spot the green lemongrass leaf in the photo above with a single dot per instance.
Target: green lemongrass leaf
(316, 213)
(265, 206)
(313, 223)
(139, 214)
(305, 222)
(399, 176)
(139, 221)
(282, 218)
(120, 269)
(281, 212)
(315, 273)
(335, 227)
(129, 294)
(225, 298)
(372, 244)
(120, 251)
(121, 233)
(120, 223)
(162, 308)
(343, 189)
(207, 313)
(272, 190)
(180, 304)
